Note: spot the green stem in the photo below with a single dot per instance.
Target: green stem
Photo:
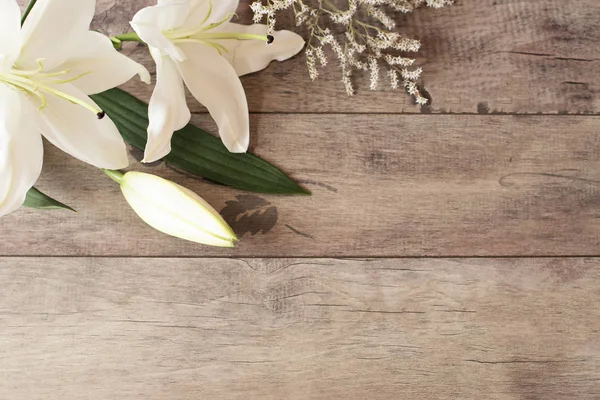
(127, 37)
(115, 175)
(27, 11)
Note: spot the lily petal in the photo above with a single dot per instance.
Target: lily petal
(150, 23)
(168, 111)
(80, 133)
(99, 66)
(198, 12)
(249, 56)
(214, 83)
(167, 14)
(21, 150)
(221, 10)
(51, 30)
(10, 32)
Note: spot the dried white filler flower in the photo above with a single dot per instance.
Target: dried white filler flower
(364, 37)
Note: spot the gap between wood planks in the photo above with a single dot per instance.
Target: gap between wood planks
(488, 114)
(323, 257)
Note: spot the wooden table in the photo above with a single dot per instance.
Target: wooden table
(448, 251)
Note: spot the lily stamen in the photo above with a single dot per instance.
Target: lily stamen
(73, 100)
(199, 33)
(198, 28)
(31, 72)
(36, 83)
(219, 23)
(60, 82)
(208, 38)
(226, 36)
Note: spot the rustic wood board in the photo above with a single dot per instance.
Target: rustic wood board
(382, 186)
(385, 185)
(299, 329)
(479, 56)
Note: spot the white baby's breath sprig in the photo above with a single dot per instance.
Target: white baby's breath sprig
(361, 35)
(411, 75)
(321, 56)
(374, 68)
(311, 63)
(393, 75)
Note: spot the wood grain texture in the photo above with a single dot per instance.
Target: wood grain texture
(182, 329)
(479, 56)
(382, 186)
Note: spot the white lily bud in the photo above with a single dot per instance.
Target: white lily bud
(173, 209)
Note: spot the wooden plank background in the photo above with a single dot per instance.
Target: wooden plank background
(297, 329)
(448, 251)
(386, 185)
(478, 56)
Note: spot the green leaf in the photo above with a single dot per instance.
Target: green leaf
(27, 11)
(41, 201)
(197, 151)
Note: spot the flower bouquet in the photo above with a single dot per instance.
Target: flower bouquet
(59, 79)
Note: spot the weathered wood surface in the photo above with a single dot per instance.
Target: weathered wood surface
(383, 186)
(479, 56)
(299, 329)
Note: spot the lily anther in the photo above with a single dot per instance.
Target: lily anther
(39, 84)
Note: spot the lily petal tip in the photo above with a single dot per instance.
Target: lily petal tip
(145, 76)
(238, 147)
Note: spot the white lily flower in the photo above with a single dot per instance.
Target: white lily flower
(48, 68)
(173, 209)
(192, 41)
